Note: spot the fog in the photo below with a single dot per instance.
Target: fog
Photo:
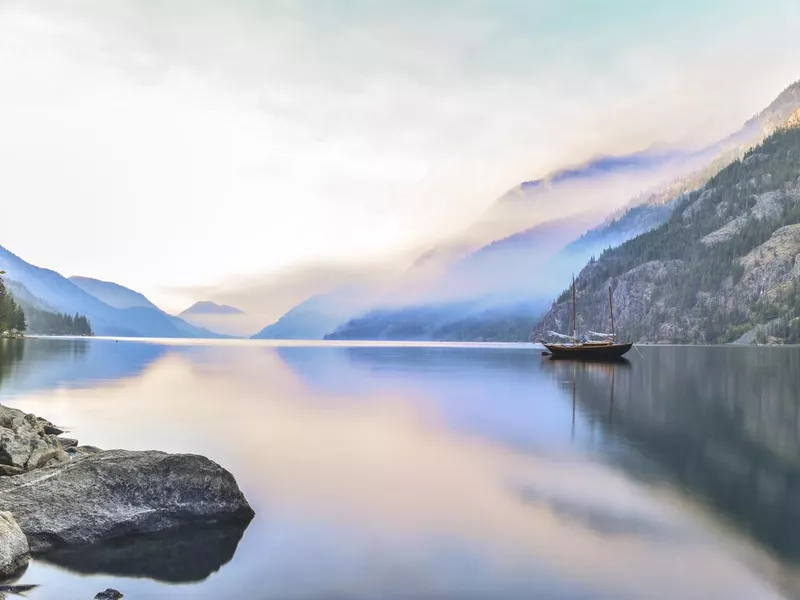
(514, 253)
(195, 143)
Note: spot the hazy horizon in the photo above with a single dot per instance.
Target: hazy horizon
(183, 149)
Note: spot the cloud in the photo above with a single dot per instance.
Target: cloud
(192, 141)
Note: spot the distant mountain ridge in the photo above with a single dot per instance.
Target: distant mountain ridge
(317, 316)
(206, 307)
(137, 316)
(113, 294)
(644, 211)
(480, 294)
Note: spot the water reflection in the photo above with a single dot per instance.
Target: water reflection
(183, 556)
(51, 363)
(722, 422)
(435, 472)
(11, 353)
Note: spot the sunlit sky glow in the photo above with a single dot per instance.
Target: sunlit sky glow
(177, 145)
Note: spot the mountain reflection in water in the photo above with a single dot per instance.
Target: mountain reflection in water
(724, 423)
(448, 472)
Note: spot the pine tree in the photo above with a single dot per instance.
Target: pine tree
(5, 315)
(20, 323)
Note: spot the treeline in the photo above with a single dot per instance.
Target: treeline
(452, 322)
(50, 323)
(16, 317)
(12, 317)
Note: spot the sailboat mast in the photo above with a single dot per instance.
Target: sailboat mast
(574, 314)
(611, 311)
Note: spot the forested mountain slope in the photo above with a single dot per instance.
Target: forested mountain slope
(726, 263)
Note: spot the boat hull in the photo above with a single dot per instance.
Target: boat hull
(588, 352)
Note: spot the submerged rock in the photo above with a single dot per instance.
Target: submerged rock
(113, 493)
(14, 552)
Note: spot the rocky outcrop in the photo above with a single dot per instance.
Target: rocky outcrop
(635, 292)
(14, 551)
(725, 267)
(768, 206)
(27, 442)
(109, 494)
(771, 268)
(695, 206)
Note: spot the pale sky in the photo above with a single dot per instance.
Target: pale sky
(175, 145)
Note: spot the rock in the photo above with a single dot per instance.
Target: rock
(80, 451)
(8, 470)
(17, 589)
(24, 443)
(108, 594)
(51, 429)
(67, 442)
(14, 551)
(763, 329)
(114, 493)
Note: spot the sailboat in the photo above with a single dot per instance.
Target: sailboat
(604, 348)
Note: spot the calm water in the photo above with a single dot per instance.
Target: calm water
(441, 472)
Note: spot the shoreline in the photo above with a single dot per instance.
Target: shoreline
(56, 494)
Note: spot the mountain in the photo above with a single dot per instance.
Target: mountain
(222, 318)
(318, 315)
(507, 318)
(609, 180)
(112, 294)
(723, 268)
(493, 295)
(447, 322)
(139, 312)
(51, 291)
(451, 272)
(206, 307)
(57, 293)
(478, 296)
(650, 209)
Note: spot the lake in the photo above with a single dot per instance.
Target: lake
(440, 471)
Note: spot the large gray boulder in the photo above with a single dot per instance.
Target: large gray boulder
(14, 552)
(112, 493)
(27, 442)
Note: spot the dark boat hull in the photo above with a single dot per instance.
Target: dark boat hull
(588, 352)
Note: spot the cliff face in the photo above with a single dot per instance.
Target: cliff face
(725, 265)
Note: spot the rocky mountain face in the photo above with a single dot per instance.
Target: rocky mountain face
(724, 267)
(654, 207)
